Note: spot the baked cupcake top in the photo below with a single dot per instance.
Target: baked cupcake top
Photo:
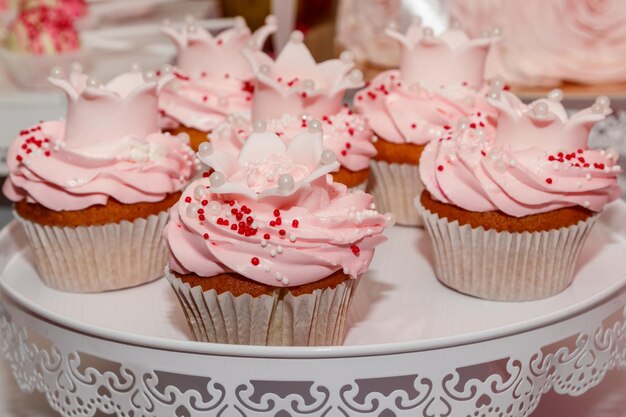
(440, 79)
(294, 89)
(213, 78)
(273, 215)
(538, 161)
(109, 146)
(42, 31)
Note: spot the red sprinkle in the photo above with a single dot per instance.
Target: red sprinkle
(282, 232)
(344, 153)
(276, 213)
(440, 168)
(549, 180)
(255, 261)
(266, 236)
(206, 236)
(279, 221)
(201, 217)
(205, 202)
(295, 224)
(355, 250)
(233, 226)
(187, 199)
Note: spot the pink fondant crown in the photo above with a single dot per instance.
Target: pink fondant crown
(201, 54)
(544, 124)
(125, 106)
(296, 84)
(451, 58)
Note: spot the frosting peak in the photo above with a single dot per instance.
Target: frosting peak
(127, 106)
(451, 58)
(295, 84)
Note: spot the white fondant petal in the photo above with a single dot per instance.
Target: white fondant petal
(260, 146)
(306, 148)
(221, 161)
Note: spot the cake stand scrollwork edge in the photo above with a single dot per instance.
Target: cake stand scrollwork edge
(502, 376)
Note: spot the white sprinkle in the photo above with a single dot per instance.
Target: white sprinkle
(579, 184)
(266, 268)
(586, 203)
(369, 231)
(374, 139)
(264, 243)
(255, 225)
(588, 177)
(292, 237)
(285, 281)
(512, 162)
(279, 249)
(555, 166)
(279, 276)
(273, 253)
(346, 270)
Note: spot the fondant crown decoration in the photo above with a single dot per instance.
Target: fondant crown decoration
(124, 107)
(451, 58)
(295, 84)
(544, 123)
(266, 168)
(200, 54)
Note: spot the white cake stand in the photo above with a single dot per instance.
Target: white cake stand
(414, 347)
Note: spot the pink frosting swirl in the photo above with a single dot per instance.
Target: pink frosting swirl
(402, 114)
(325, 228)
(345, 133)
(519, 174)
(274, 216)
(129, 169)
(547, 42)
(203, 102)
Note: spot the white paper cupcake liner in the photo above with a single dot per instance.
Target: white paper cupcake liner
(504, 266)
(316, 319)
(99, 258)
(394, 187)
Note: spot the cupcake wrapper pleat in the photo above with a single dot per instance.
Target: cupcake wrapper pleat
(316, 319)
(504, 266)
(98, 258)
(394, 187)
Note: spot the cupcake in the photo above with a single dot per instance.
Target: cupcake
(92, 191)
(74, 9)
(37, 40)
(440, 81)
(268, 250)
(213, 78)
(509, 216)
(294, 89)
(42, 31)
